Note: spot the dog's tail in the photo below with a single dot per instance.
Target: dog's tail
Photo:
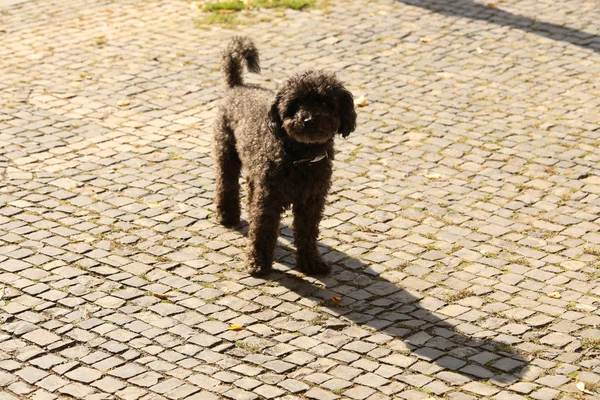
(240, 49)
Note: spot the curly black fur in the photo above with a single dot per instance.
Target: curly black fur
(284, 144)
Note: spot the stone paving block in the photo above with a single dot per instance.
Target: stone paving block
(127, 371)
(31, 374)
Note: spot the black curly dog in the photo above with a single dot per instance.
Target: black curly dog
(284, 143)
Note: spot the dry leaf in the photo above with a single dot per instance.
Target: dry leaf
(83, 77)
(361, 101)
(153, 205)
(433, 176)
(162, 296)
(235, 327)
(492, 5)
(554, 295)
(581, 386)
(425, 39)
(122, 103)
(479, 50)
(336, 299)
(226, 11)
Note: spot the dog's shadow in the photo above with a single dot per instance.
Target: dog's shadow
(409, 326)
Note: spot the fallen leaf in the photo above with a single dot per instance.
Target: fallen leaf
(433, 176)
(162, 296)
(153, 205)
(122, 103)
(425, 39)
(492, 5)
(554, 295)
(581, 386)
(479, 50)
(361, 101)
(336, 299)
(235, 327)
(83, 77)
(226, 11)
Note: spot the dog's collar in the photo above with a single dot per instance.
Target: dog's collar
(316, 159)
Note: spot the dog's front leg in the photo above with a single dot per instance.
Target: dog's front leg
(264, 215)
(307, 215)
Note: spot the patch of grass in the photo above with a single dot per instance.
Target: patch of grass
(521, 261)
(225, 13)
(595, 274)
(250, 348)
(573, 374)
(452, 297)
(224, 5)
(320, 320)
(237, 5)
(293, 4)
(592, 386)
(504, 347)
(591, 343)
(592, 250)
(225, 20)
(432, 246)
(455, 248)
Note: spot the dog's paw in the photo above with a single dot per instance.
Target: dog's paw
(257, 270)
(228, 220)
(314, 267)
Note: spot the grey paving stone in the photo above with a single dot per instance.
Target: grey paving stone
(31, 374)
(109, 385)
(480, 388)
(127, 371)
(293, 386)
(76, 390)
(316, 393)
(84, 375)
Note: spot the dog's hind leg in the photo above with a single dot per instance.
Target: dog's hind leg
(228, 166)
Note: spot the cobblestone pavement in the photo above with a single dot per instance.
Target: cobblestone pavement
(463, 225)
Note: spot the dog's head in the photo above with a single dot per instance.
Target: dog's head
(312, 107)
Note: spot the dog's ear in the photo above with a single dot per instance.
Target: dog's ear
(347, 113)
(274, 119)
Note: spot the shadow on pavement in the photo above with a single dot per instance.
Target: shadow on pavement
(493, 15)
(411, 321)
